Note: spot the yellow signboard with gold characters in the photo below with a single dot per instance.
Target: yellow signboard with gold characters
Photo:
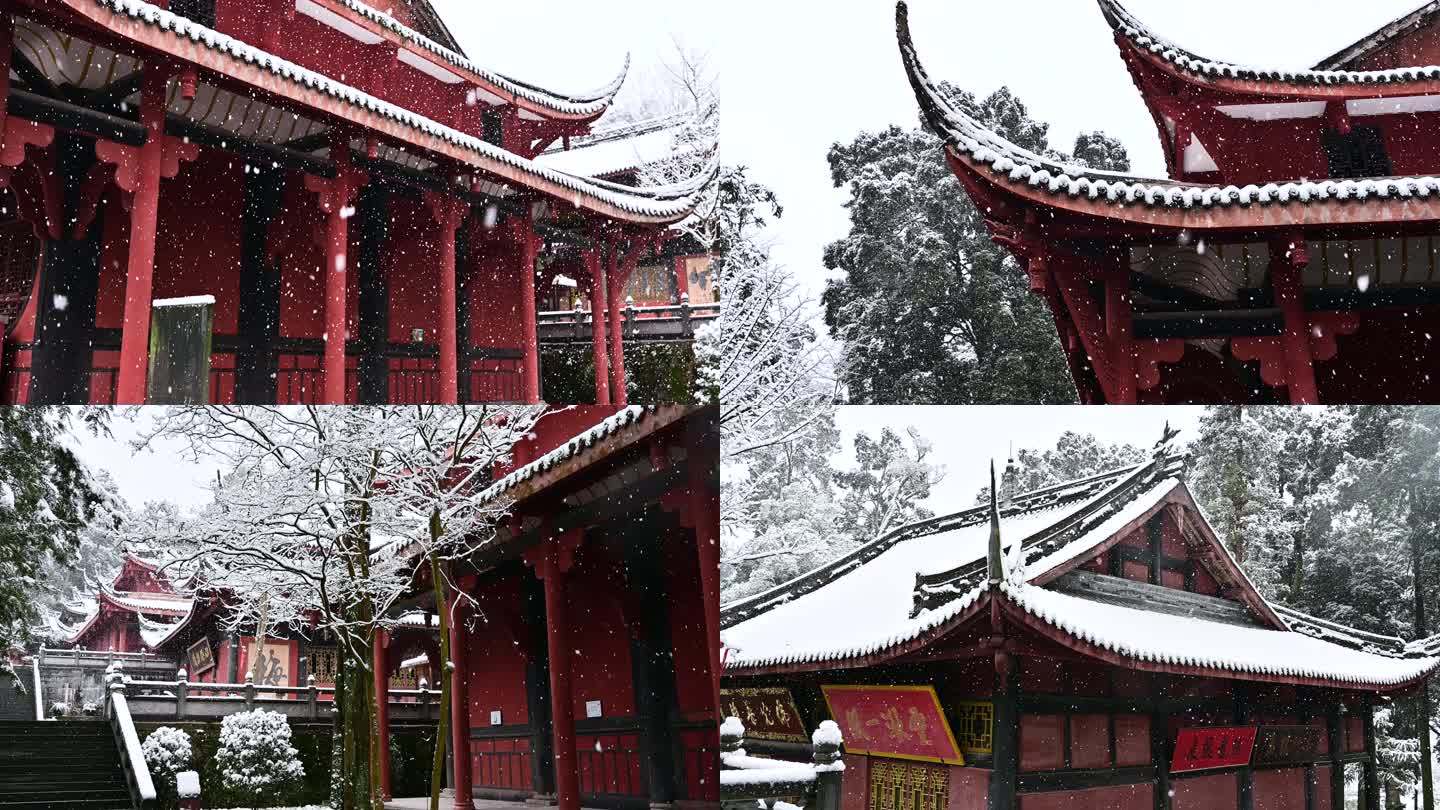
(768, 713)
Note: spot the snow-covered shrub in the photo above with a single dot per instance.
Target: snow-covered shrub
(255, 755)
(59, 709)
(90, 709)
(167, 752)
(8, 672)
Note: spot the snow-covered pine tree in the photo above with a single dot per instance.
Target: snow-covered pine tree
(930, 310)
(48, 498)
(255, 758)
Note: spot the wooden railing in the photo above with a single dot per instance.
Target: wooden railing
(676, 322)
(181, 699)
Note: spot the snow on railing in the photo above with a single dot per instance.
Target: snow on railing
(174, 698)
(746, 779)
(142, 788)
(671, 320)
(39, 692)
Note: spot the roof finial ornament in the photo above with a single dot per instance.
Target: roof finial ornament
(1009, 480)
(995, 556)
(1162, 447)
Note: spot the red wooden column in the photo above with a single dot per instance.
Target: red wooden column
(460, 711)
(595, 261)
(1288, 260)
(1120, 331)
(380, 664)
(552, 560)
(529, 243)
(620, 271)
(705, 508)
(335, 196)
(140, 274)
(449, 212)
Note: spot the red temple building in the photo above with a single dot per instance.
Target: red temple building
(1289, 258)
(1089, 644)
(589, 675)
(585, 670)
(357, 206)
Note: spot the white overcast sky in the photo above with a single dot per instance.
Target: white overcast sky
(798, 76)
(159, 473)
(966, 438)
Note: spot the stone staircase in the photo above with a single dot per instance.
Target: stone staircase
(65, 764)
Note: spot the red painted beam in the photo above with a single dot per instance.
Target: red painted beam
(552, 561)
(335, 196)
(524, 235)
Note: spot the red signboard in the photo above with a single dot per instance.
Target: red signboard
(1201, 749)
(893, 721)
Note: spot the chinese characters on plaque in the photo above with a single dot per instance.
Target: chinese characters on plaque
(893, 721)
(768, 713)
(201, 657)
(1199, 749)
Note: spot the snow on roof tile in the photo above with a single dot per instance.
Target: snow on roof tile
(673, 202)
(590, 103)
(1164, 638)
(620, 149)
(871, 606)
(609, 426)
(1015, 165)
(1134, 30)
(1045, 498)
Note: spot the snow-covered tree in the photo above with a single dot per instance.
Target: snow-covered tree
(255, 757)
(1075, 455)
(929, 309)
(48, 501)
(807, 512)
(324, 521)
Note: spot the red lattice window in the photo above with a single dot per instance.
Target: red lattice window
(19, 260)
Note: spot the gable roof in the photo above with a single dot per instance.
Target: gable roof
(904, 591)
(877, 597)
(1378, 39)
(998, 161)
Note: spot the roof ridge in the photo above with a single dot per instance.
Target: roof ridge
(1128, 25)
(1368, 44)
(1023, 503)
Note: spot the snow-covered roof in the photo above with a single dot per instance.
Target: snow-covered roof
(868, 605)
(155, 604)
(1163, 638)
(611, 151)
(1132, 29)
(622, 419)
(156, 633)
(574, 104)
(921, 584)
(1013, 164)
(658, 203)
(1068, 494)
